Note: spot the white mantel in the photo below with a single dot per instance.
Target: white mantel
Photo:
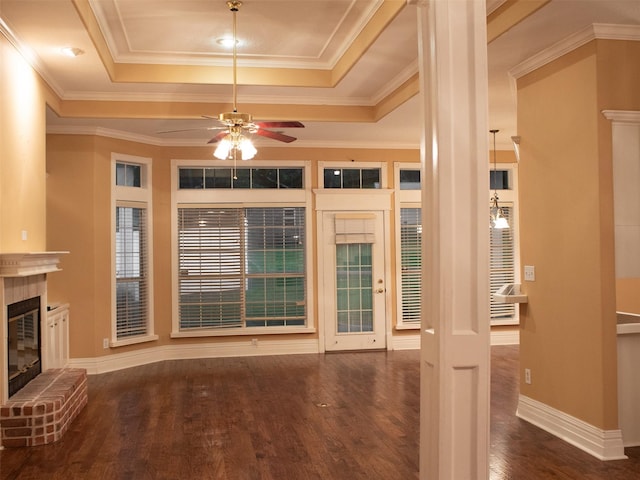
(29, 263)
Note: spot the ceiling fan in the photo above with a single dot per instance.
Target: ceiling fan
(233, 139)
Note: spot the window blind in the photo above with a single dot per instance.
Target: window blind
(411, 264)
(355, 228)
(131, 272)
(210, 267)
(241, 267)
(502, 265)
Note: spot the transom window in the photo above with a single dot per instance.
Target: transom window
(128, 175)
(499, 180)
(240, 178)
(241, 267)
(409, 179)
(352, 178)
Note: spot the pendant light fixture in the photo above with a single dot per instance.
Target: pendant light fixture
(497, 217)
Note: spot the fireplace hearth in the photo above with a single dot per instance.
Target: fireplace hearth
(23, 343)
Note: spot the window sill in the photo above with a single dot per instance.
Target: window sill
(133, 341)
(408, 326)
(245, 331)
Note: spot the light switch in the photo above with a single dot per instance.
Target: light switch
(529, 273)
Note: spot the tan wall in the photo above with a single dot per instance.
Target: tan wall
(22, 154)
(79, 219)
(568, 335)
(562, 326)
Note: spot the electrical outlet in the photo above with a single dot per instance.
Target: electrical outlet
(527, 376)
(254, 342)
(529, 273)
(105, 343)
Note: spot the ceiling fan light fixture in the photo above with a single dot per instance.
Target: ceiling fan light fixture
(231, 145)
(224, 148)
(246, 147)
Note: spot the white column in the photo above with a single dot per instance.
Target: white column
(455, 354)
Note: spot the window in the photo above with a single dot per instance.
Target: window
(411, 264)
(502, 267)
(240, 178)
(352, 178)
(241, 268)
(409, 179)
(127, 175)
(131, 251)
(409, 239)
(499, 180)
(131, 272)
(503, 244)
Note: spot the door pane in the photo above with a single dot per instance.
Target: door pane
(353, 288)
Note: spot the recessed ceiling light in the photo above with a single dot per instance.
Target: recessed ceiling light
(71, 51)
(227, 42)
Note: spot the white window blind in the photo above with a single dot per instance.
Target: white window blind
(241, 267)
(131, 272)
(411, 264)
(355, 228)
(502, 265)
(210, 261)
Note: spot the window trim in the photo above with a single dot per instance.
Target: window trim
(242, 198)
(140, 197)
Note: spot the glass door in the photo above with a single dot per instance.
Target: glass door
(355, 294)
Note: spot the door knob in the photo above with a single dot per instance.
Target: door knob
(380, 290)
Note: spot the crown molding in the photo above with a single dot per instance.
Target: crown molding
(596, 31)
(149, 140)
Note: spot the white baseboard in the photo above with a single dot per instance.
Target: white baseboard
(119, 361)
(508, 337)
(602, 444)
(412, 342)
(406, 342)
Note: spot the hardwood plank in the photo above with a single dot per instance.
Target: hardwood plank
(263, 418)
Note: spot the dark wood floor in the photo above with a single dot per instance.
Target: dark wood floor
(340, 416)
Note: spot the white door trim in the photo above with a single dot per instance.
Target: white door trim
(351, 200)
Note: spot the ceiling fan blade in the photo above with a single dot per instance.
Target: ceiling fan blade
(275, 135)
(218, 137)
(293, 124)
(191, 129)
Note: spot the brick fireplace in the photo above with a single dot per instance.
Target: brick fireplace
(41, 409)
(23, 277)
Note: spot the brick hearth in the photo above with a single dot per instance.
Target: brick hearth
(42, 411)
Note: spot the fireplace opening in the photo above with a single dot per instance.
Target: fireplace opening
(23, 343)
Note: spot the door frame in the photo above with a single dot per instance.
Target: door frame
(360, 201)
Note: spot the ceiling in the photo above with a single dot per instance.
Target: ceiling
(346, 68)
